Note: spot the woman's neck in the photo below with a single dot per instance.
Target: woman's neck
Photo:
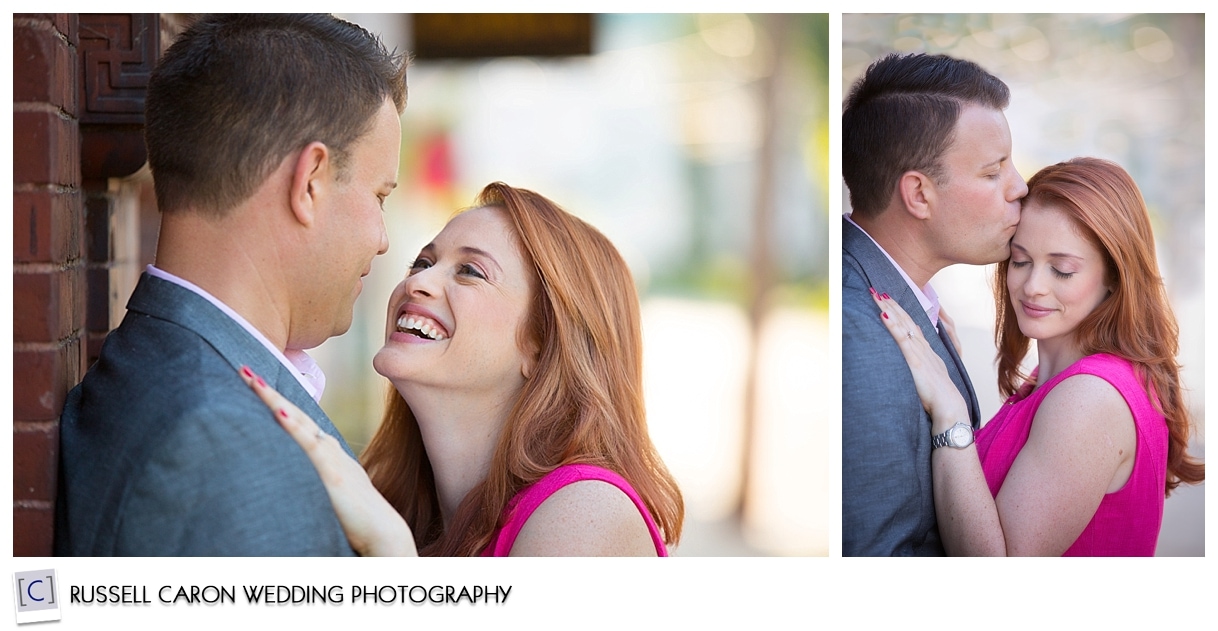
(460, 431)
(1054, 356)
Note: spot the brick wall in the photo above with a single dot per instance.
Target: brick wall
(48, 263)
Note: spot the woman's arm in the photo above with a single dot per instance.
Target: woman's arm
(372, 525)
(1081, 440)
(1081, 446)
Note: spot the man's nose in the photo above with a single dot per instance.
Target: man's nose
(384, 245)
(1018, 188)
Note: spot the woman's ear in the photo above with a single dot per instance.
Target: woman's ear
(310, 177)
(529, 362)
(526, 366)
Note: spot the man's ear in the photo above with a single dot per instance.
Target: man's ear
(310, 178)
(917, 193)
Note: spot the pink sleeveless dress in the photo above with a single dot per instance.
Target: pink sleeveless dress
(521, 507)
(1127, 521)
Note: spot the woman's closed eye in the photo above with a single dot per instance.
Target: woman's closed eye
(1056, 272)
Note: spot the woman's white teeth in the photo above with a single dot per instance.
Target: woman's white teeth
(411, 323)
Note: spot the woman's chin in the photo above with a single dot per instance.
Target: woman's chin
(1028, 329)
(388, 363)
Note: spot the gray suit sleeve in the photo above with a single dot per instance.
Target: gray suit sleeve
(887, 499)
(221, 484)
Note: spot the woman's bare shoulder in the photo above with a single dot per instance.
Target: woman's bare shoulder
(585, 518)
(1085, 400)
(1087, 415)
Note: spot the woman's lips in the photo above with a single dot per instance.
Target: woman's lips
(1035, 311)
(413, 318)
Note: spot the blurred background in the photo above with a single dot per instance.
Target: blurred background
(1129, 88)
(699, 145)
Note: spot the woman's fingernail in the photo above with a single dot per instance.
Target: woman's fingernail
(245, 370)
(884, 315)
(872, 290)
(283, 413)
(885, 296)
(261, 382)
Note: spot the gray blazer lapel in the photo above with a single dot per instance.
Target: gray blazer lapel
(974, 412)
(880, 273)
(162, 299)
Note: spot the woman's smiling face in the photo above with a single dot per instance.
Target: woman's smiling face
(455, 320)
(1056, 277)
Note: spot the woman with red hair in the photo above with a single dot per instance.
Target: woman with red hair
(1079, 459)
(515, 424)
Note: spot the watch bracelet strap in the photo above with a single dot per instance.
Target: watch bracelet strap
(941, 440)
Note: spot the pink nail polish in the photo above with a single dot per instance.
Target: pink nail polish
(245, 370)
(283, 413)
(884, 315)
(885, 296)
(261, 382)
(872, 290)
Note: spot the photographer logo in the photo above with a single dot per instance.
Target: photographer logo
(37, 596)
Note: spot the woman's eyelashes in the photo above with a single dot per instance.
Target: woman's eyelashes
(1060, 274)
(1056, 272)
(463, 269)
(468, 269)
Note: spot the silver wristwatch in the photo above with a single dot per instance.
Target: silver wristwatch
(959, 436)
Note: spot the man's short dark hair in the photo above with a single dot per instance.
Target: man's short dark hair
(235, 94)
(901, 116)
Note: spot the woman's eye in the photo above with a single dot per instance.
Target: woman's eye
(470, 270)
(1018, 263)
(420, 264)
(1060, 274)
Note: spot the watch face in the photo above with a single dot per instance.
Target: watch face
(960, 436)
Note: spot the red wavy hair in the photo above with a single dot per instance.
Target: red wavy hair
(582, 404)
(1135, 322)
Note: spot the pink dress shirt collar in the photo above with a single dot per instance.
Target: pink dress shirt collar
(303, 367)
(926, 295)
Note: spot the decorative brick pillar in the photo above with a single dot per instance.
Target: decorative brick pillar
(48, 263)
(78, 100)
(117, 54)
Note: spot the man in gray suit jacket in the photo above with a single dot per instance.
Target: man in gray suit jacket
(927, 158)
(273, 142)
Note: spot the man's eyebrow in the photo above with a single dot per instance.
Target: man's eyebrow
(995, 162)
